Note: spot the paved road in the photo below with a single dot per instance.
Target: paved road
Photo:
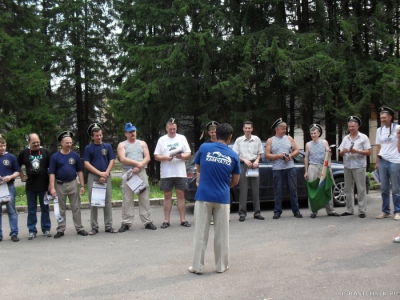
(289, 258)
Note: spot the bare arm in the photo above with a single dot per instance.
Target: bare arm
(82, 182)
(295, 150)
(52, 189)
(268, 153)
(306, 160)
(198, 174)
(234, 180)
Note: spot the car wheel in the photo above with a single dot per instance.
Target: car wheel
(339, 197)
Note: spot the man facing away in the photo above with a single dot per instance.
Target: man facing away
(9, 170)
(172, 150)
(355, 148)
(134, 154)
(388, 162)
(215, 164)
(314, 162)
(249, 148)
(99, 160)
(36, 161)
(64, 166)
(281, 149)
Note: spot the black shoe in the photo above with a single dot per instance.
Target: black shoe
(361, 215)
(242, 218)
(123, 228)
(150, 226)
(14, 238)
(346, 214)
(276, 216)
(298, 215)
(259, 217)
(165, 225)
(58, 234)
(335, 214)
(313, 215)
(82, 232)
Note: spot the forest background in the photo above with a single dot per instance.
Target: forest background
(65, 64)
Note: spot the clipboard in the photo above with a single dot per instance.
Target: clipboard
(98, 194)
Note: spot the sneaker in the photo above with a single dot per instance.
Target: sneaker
(191, 270)
(31, 235)
(15, 238)
(58, 234)
(396, 217)
(47, 233)
(396, 239)
(383, 215)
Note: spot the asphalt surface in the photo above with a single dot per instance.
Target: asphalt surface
(289, 258)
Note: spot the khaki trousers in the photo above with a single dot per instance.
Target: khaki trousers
(71, 190)
(203, 211)
(356, 176)
(128, 204)
(107, 209)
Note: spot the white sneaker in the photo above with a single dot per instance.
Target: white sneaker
(383, 215)
(396, 239)
(396, 217)
(191, 270)
(47, 233)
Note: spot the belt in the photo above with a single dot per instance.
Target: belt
(62, 182)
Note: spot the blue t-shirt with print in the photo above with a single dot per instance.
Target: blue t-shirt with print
(217, 162)
(99, 156)
(8, 166)
(65, 166)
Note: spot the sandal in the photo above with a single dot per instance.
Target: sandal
(186, 224)
(165, 225)
(93, 231)
(111, 230)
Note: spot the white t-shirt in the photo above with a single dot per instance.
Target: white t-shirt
(175, 167)
(388, 143)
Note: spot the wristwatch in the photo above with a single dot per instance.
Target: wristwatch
(359, 151)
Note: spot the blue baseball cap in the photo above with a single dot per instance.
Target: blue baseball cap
(129, 127)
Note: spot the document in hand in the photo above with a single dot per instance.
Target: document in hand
(375, 174)
(48, 198)
(252, 172)
(98, 194)
(134, 182)
(4, 193)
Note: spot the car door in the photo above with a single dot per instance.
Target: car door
(266, 180)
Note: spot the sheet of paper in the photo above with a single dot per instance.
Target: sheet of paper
(4, 193)
(252, 172)
(134, 182)
(99, 194)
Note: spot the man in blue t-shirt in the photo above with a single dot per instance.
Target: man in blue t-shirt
(216, 162)
(9, 170)
(99, 160)
(64, 165)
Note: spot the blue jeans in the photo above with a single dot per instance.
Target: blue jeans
(290, 177)
(12, 213)
(389, 173)
(32, 210)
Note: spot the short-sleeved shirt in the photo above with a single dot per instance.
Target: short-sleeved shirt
(65, 166)
(248, 149)
(281, 145)
(388, 140)
(217, 162)
(355, 160)
(8, 166)
(36, 182)
(175, 167)
(99, 155)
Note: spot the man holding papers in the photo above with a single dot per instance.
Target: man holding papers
(134, 155)
(99, 160)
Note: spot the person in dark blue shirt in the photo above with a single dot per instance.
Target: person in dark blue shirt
(9, 170)
(99, 160)
(64, 166)
(215, 163)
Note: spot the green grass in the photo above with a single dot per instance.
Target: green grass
(155, 192)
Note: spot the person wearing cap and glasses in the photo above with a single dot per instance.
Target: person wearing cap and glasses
(172, 150)
(354, 149)
(314, 162)
(388, 162)
(99, 160)
(249, 148)
(9, 170)
(64, 166)
(36, 161)
(134, 154)
(281, 149)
